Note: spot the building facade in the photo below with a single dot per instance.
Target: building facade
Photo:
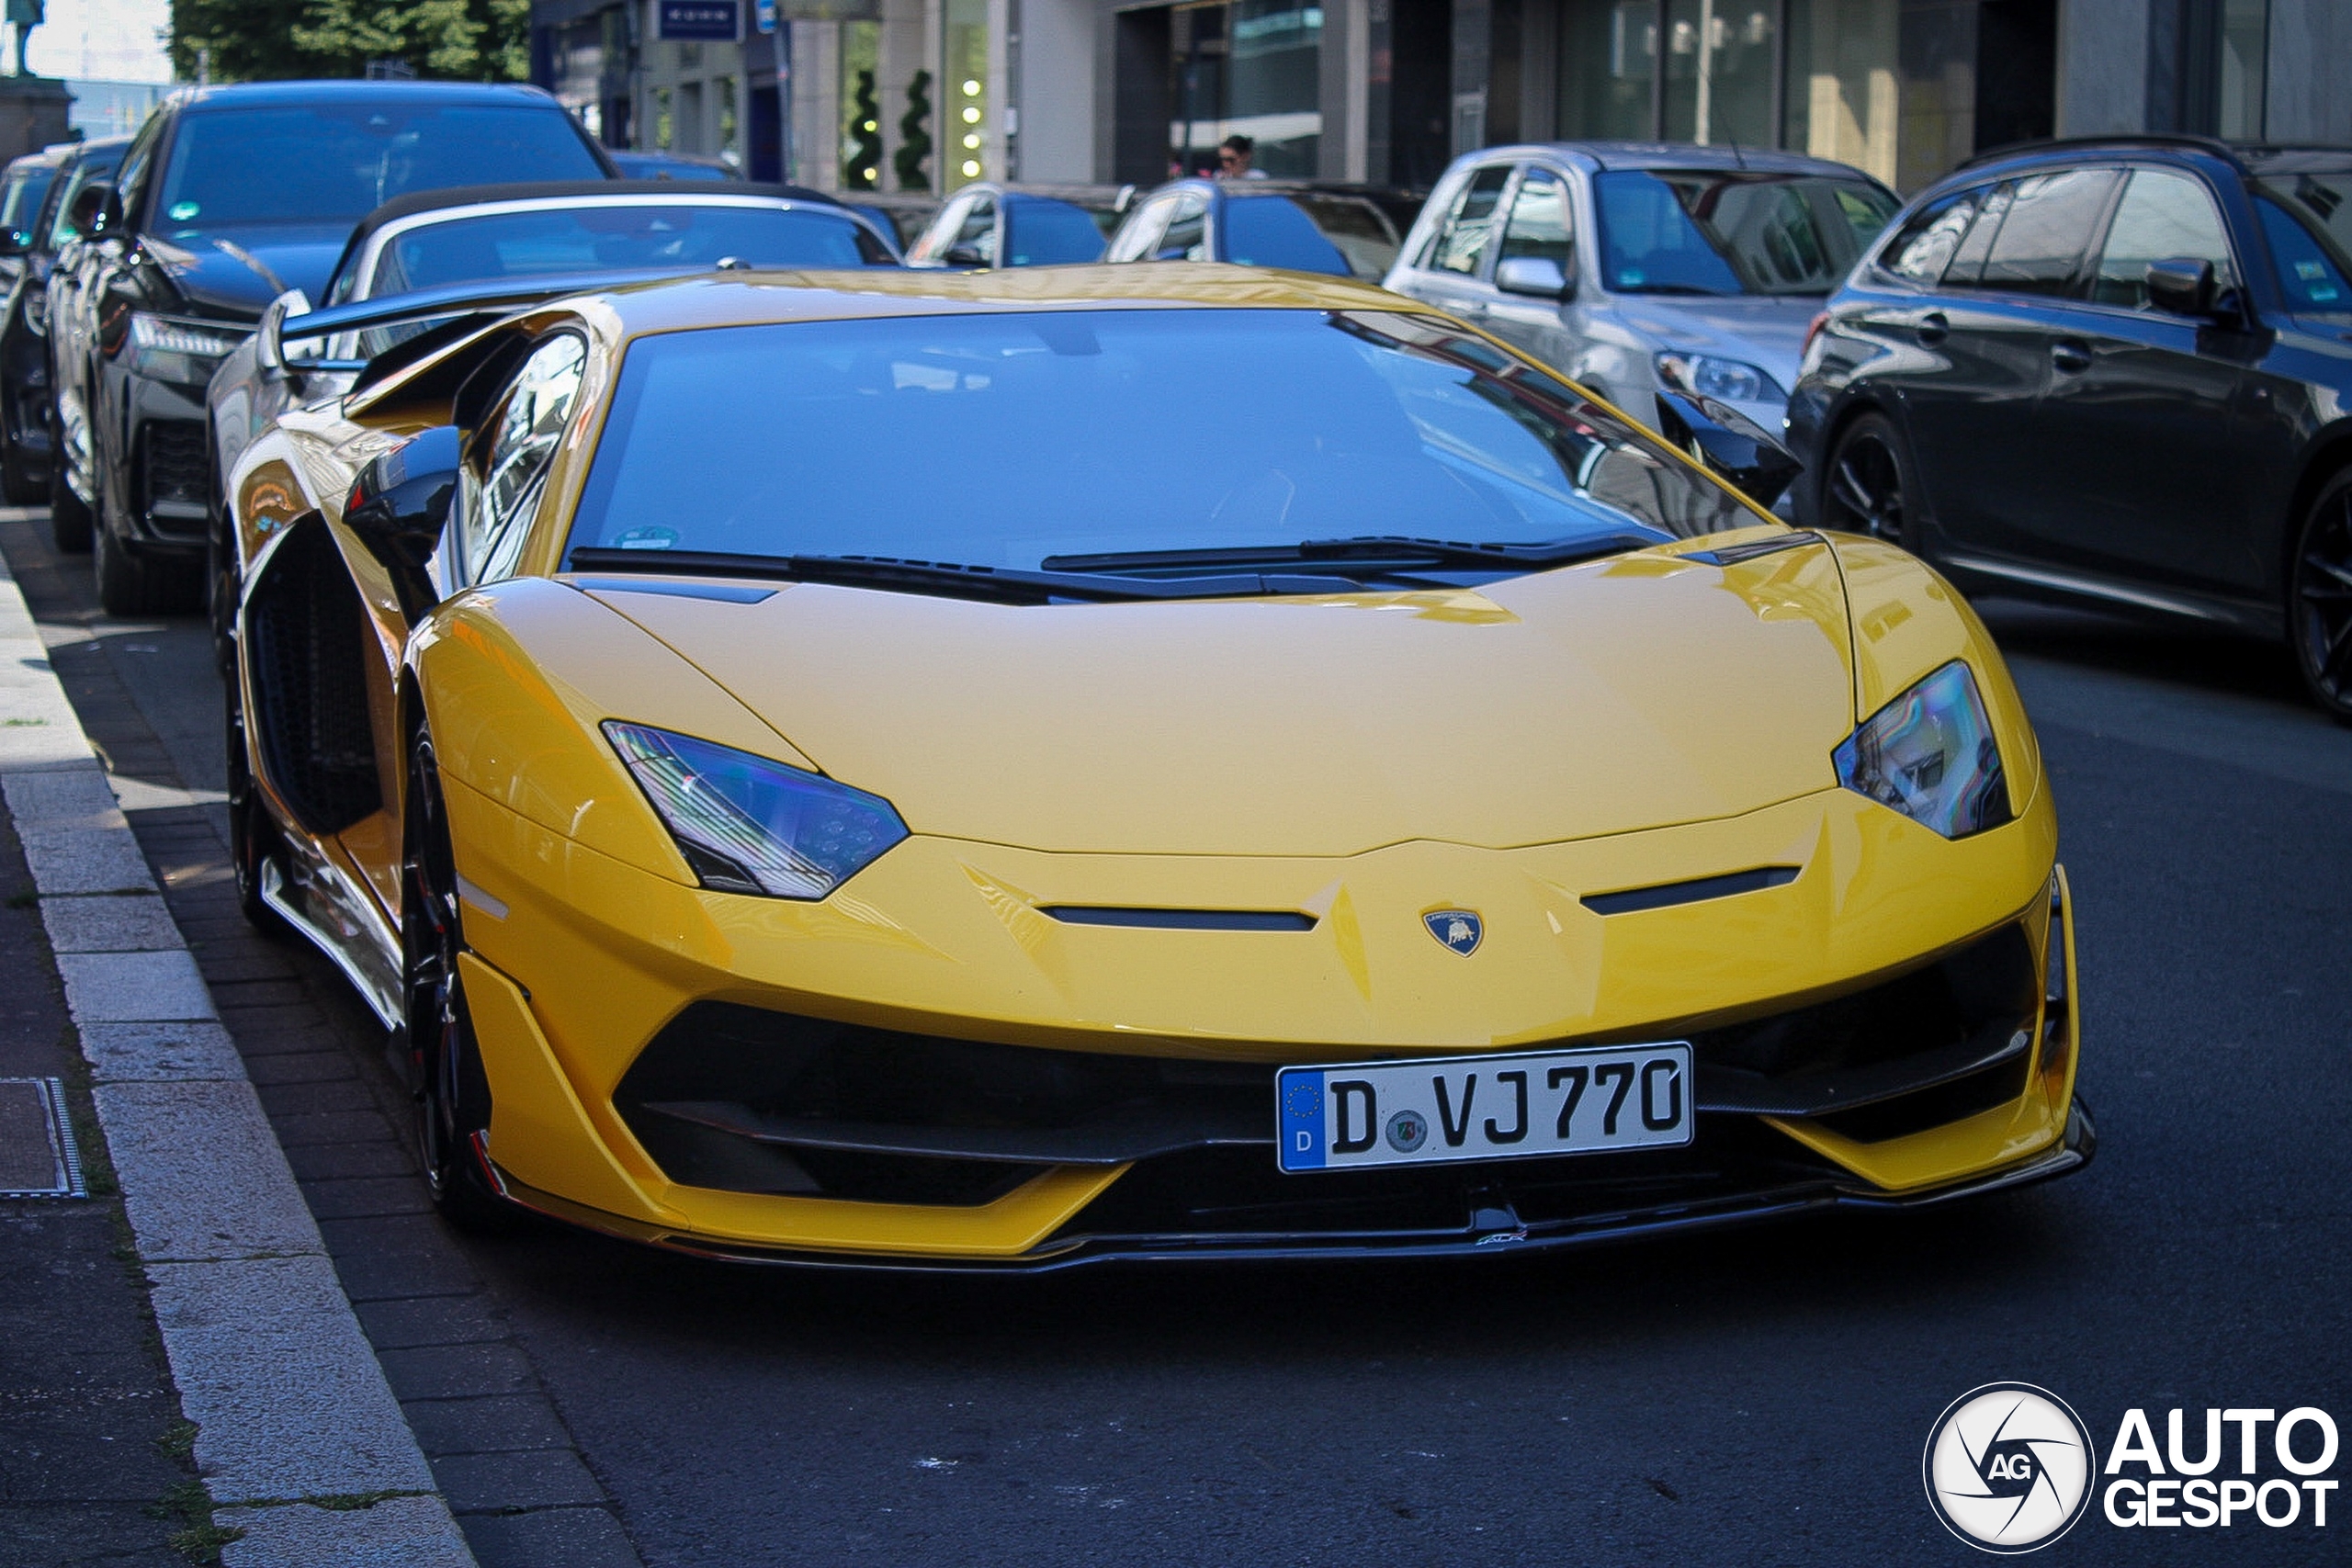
(928, 94)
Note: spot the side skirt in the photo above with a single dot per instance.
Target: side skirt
(380, 991)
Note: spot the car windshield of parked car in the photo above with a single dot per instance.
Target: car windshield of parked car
(21, 199)
(334, 163)
(1003, 440)
(1717, 232)
(1046, 232)
(2307, 218)
(598, 238)
(57, 212)
(1273, 231)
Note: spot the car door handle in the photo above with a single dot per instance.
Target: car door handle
(1932, 327)
(2070, 357)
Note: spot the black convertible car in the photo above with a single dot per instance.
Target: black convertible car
(2113, 372)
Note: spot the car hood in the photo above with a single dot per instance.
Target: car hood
(212, 275)
(1619, 695)
(1765, 330)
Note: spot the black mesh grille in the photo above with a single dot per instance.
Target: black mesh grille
(173, 463)
(308, 638)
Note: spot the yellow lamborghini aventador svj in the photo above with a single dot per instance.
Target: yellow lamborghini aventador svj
(1020, 769)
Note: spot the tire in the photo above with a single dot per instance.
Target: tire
(20, 487)
(221, 587)
(452, 1092)
(253, 834)
(1867, 486)
(132, 584)
(2319, 598)
(69, 518)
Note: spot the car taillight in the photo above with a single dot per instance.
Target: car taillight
(1813, 330)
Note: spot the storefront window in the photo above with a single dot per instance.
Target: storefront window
(964, 135)
(1608, 58)
(1249, 68)
(2246, 58)
(1720, 58)
(861, 101)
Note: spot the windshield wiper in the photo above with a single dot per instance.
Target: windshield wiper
(1004, 585)
(1368, 550)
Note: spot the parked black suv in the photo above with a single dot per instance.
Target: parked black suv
(28, 252)
(228, 197)
(2114, 371)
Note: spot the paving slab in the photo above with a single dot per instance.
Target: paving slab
(202, 1174)
(159, 1053)
(134, 988)
(102, 924)
(397, 1532)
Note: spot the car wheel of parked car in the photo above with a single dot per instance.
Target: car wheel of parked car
(1867, 487)
(221, 589)
(2319, 603)
(252, 837)
(21, 488)
(131, 585)
(451, 1089)
(69, 519)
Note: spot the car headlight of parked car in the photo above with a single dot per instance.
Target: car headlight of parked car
(1930, 754)
(749, 824)
(186, 352)
(1730, 379)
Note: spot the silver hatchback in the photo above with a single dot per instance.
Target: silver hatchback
(1637, 267)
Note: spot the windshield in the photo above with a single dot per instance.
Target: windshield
(1717, 232)
(334, 163)
(1004, 440)
(2308, 220)
(597, 238)
(20, 197)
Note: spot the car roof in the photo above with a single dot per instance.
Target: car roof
(266, 95)
(1609, 155)
(578, 192)
(71, 152)
(1107, 197)
(2245, 157)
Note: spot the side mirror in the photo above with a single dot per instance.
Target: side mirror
(1539, 276)
(1730, 444)
(93, 204)
(269, 338)
(399, 507)
(964, 256)
(15, 241)
(2182, 286)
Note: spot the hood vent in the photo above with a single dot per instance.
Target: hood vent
(1181, 920)
(1692, 892)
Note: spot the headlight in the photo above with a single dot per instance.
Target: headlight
(748, 825)
(1725, 378)
(1930, 754)
(163, 349)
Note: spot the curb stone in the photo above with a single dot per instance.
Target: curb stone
(291, 1407)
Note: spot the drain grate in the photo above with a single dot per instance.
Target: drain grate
(37, 1159)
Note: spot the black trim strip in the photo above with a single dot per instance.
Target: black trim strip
(1695, 891)
(1727, 555)
(1181, 920)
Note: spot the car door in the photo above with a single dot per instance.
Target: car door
(1971, 404)
(2146, 471)
(1451, 269)
(1538, 225)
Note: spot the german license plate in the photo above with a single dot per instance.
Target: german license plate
(1588, 1101)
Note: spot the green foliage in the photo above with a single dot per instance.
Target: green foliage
(864, 168)
(914, 135)
(260, 40)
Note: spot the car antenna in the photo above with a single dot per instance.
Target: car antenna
(1737, 156)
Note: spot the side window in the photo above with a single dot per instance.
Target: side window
(978, 230)
(1538, 225)
(2050, 220)
(137, 161)
(934, 240)
(1187, 236)
(2162, 215)
(525, 433)
(1141, 237)
(1967, 266)
(1924, 248)
(1461, 242)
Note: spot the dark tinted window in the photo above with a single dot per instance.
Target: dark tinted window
(1968, 258)
(1273, 231)
(337, 162)
(2162, 215)
(1040, 232)
(1363, 422)
(2050, 222)
(1673, 233)
(2311, 265)
(1360, 230)
(595, 239)
(20, 197)
(55, 212)
(1930, 236)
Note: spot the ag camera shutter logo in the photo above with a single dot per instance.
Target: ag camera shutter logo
(2008, 1468)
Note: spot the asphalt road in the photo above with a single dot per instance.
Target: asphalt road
(1759, 1397)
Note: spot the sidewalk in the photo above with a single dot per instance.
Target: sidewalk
(283, 1444)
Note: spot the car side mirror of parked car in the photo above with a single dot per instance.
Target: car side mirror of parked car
(96, 211)
(401, 503)
(2182, 286)
(1539, 276)
(1730, 444)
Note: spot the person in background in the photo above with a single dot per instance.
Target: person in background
(1234, 155)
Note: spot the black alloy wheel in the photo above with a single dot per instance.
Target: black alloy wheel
(452, 1092)
(2319, 598)
(1865, 489)
(253, 835)
(69, 516)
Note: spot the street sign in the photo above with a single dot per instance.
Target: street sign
(764, 15)
(702, 21)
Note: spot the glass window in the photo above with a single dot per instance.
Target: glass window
(1361, 230)
(1716, 232)
(526, 430)
(2050, 220)
(2162, 215)
(1328, 424)
(1924, 248)
(1039, 231)
(2308, 220)
(337, 162)
(1607, 50)
(94, 166)
(978, 230)
(602, 239)
(1538, 225)
(20, 200)
(1968, 259)
(1460, 243)
(934, 240)
(1273, 231)
(963, 94)
(1720, 57)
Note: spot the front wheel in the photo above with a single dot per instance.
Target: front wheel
(2319, 598)
(252, 833)
(452, 1092)
(1866, 488)
(69, 514)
